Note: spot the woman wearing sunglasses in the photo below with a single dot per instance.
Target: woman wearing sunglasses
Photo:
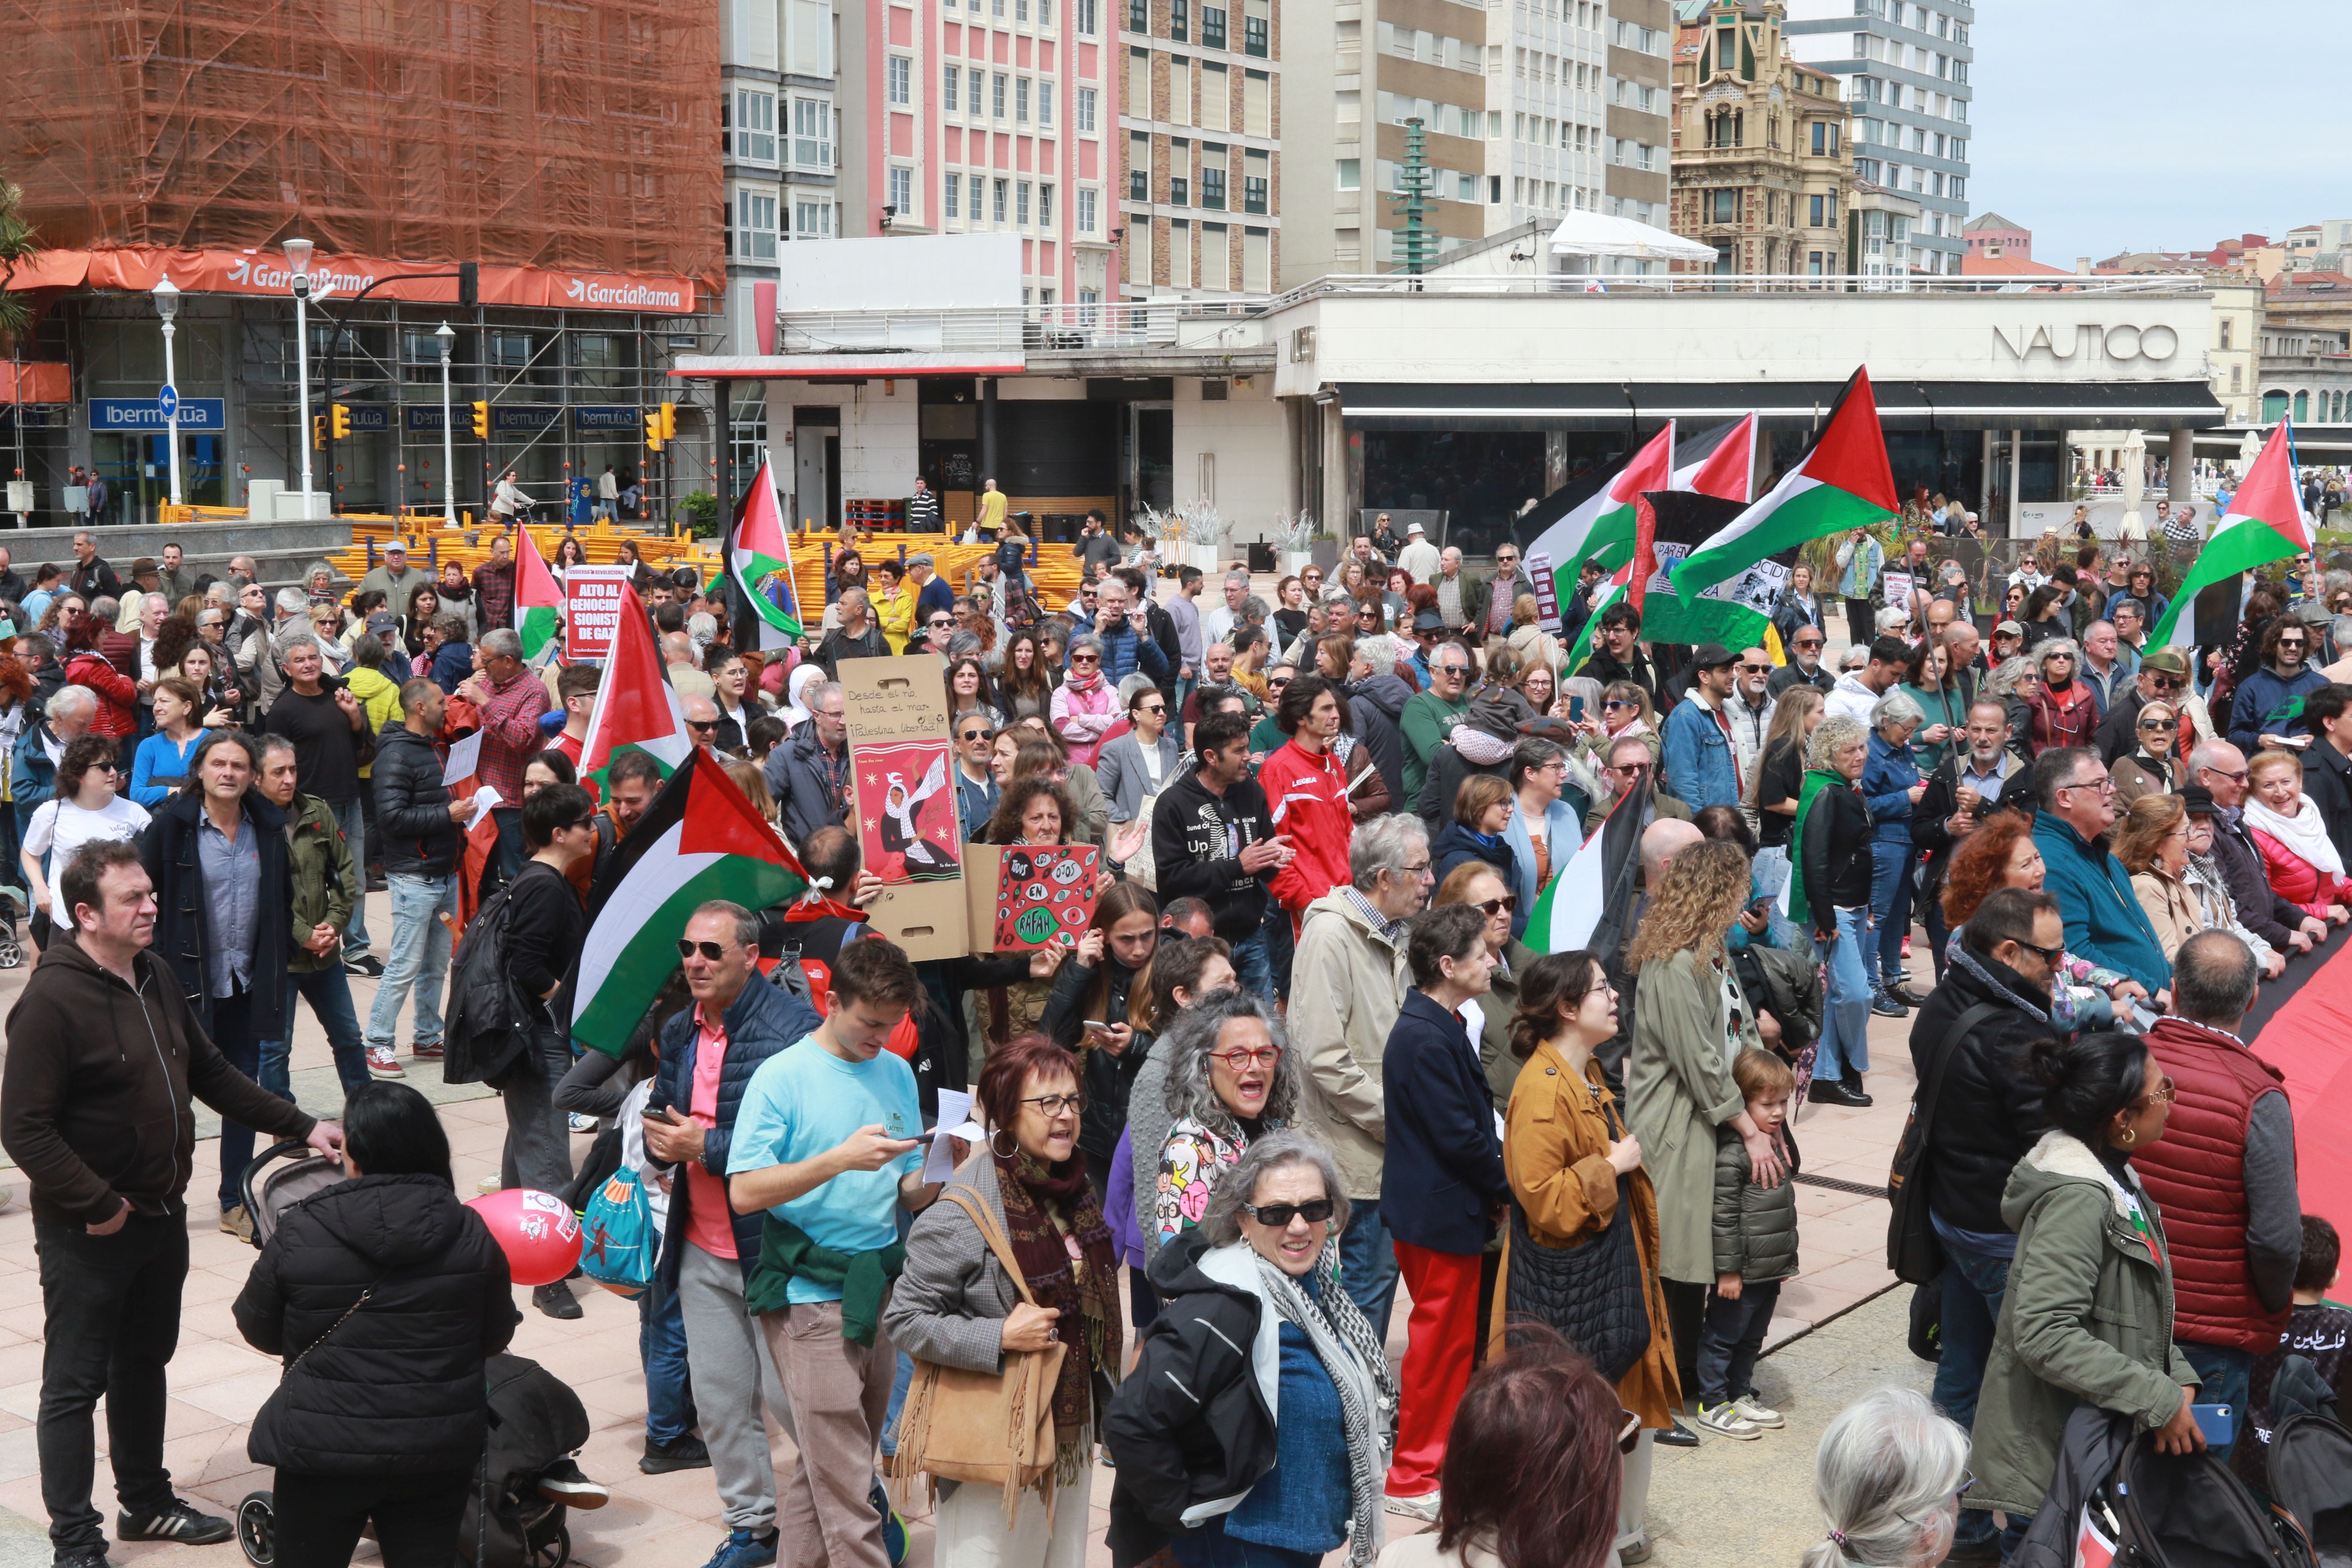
(1485, 889)
(1571, 1164)
(957, 1306)
(1230, 1080)
(1212, 1468)
(2150, 768)
(84, 810)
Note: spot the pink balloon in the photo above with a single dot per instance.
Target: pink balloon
(537, 1231)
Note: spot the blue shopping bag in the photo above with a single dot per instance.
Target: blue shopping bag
(619, 1243)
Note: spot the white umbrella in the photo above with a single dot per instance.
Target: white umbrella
(1597, 234)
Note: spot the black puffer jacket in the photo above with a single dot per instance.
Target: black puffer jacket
(1376, 711)
(412, 804)
(397, 1388)
(1989, 1114)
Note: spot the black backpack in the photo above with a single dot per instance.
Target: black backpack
(487, 1025)
(535, 1419)
(1913, 1252)
(2311, 1478)
(2188, 1511)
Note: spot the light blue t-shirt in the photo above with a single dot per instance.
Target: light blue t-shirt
(804, 1100)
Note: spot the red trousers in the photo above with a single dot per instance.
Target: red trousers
(1441, 1338)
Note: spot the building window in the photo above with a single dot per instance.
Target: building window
(996, 96)
(1085, 210)
(1086, 15)
(950, 188)
(1139, 15)
(1021, 203)
(1212, 27)
(1213, 188)
(2225, 332)
(951, 87)
(812, 220)
(1138, 167)
(1020, 10)
(898, 76)
(1180, 20)
(755, 227)
(1351, 173)
(1256, 182)
(1723, 207)
(1045, 207)
(973, 79)
(902, 191)
(979, 189)
(1021, 101)
(1087, 110)
(1179, 191)
(1045, 106)
(1255, 36)
(755, 126)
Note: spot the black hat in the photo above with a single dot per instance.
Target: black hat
(1712, 656)
(2198, 798)
(1428, 621)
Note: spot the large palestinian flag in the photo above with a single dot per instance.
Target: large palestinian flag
(1842, 482)
(2266, 523)
(1600, 526)
(637, 710)
(538, 600)
(701, 840)
(761, 560)
(1720, 462)
(1594, 887)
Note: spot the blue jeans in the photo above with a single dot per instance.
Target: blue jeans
(1846, 1013)
(1974, 1284)
(898, 1386)
(330, 994)
(1211, 1547)
(1890, 906)
(1252, 965)
(2226, 1378)
(353, 822)
(661, 1349)
(1280, 944)
(232, 1031)
(419, 957)
(1367, 1265)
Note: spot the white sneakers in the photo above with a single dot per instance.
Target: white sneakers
(1424, 1509)
(1724, 1421)
(1757, 1411)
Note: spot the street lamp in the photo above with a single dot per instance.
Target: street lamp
(448, 340)
(298, 261)
(167, 305)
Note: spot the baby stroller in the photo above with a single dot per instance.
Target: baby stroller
(536, 1420)
(11, 951)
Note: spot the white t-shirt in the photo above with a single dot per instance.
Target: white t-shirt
(60, 827)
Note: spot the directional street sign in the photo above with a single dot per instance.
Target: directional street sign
(168, 400)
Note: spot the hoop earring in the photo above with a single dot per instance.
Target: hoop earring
(2131, 1136)
(1003, 1153)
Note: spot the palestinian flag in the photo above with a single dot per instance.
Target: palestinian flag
(539, 599)
(1601, 525)
(760, 561)
(1604, 594)
(701, 840)
(2266, 523)
(1842, 482)
(1595, 888)
(636, 708)
(1685, 519)
(1720, 462)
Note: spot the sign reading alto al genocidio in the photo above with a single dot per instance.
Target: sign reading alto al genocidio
(592, 610)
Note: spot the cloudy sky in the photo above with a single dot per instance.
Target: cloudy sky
(2159, 125)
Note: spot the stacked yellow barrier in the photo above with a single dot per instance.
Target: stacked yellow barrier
(1053, 576)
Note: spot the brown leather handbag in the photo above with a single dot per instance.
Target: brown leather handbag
(978, 1427)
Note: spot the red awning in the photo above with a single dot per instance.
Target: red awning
(36, 382)
(138, 268)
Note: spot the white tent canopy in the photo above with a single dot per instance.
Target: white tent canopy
(1596, 233)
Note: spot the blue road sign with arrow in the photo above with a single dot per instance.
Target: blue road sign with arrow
(168, 400)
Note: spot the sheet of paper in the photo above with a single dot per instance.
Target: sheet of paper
(955, 1121)
(483, 799)
(465, 759)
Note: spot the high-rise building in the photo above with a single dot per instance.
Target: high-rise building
(1198, 158)
(1349, 85)
(993, 115)
(1760, 168)
(1905, 67)
(1546, 93)
(1639, 125)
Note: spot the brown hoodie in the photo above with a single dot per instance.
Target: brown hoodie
(95, 1096)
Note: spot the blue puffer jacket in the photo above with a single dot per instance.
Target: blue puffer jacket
(1886, 781)
(763, 1020)
(1125, 650)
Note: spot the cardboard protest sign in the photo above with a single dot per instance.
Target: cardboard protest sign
(1044, 894)
(902, 780)
(592, 610)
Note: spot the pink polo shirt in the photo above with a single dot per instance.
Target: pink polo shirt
(710, 1223)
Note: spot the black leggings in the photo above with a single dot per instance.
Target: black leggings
(415, 1517)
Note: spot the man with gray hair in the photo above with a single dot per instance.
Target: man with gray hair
(809, 774)
(933, 595)
(1218, 623)
(1347, 985)
(33, 770)
(510, 699)
(857, 635)
(325, 722)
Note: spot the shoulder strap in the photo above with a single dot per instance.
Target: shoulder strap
(986, 1225)
(1933, 1087)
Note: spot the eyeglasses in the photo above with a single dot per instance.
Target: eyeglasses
(712, 950)
(1053, 1105)
(1315, 1211)
(2164, 725)
(1452, 668)
(2105, 783)
(1419, 870)
(1160, 710)
(2162, 1095)
(1614, 704)
(2239, 777)
(1493, 906)
(938, 622)
(1809, 644)
(1255, 1056)
(704, 725)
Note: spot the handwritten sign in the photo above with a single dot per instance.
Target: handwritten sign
(1044, 894)
(592, 610)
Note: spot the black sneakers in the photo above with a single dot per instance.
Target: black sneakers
(563, 1482)
(556, 1301)
(682, 1453)
(178, 1520)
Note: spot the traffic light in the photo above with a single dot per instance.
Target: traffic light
(342, 421)
(318, 432)
(653, 430)
(481, 421)
(670, 421)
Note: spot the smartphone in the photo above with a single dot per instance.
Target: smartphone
(1575, 709)
(2218, 1422)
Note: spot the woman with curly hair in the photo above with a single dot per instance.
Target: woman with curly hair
(1692, 1020)
(1089, 822)
(2001, 853)
(1232, 1078)
(1034, 810)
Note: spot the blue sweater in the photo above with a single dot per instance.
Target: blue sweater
(1302, 1504)
(2261, 694)
(1886, 781)
(158, 758)
(2105, 924)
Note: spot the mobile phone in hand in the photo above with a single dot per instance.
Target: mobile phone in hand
(2218, 1422)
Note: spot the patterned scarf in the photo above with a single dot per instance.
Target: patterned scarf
(1352, 1355)
(1085, 1289)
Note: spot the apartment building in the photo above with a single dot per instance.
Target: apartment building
(1547, 92)
(963, 116)
(778, 127)
(1637, 179)
(1905, 67)
(1199, 151)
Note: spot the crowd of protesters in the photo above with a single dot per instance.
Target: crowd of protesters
(1309, 1047)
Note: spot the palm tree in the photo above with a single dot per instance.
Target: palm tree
(18, 243)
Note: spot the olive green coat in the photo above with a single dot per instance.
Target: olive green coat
(1678, 1090)
(2088, 1317)
(326, 877)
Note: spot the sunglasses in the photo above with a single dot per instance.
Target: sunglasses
(1161, 709)
(1809, 644)
(938, 622)
(1614, 704)
(1279, 1216)
(1493, 906)
(709, 950)
(971, 734)
(704, 725)
(1085, 658)
(2164, 682)
(2164, 724)
(1754, 669)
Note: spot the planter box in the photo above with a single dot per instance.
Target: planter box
(1291, 562)
(1326, 554)
(1209, 558)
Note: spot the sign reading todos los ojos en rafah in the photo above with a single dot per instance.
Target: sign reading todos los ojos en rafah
(592, 610)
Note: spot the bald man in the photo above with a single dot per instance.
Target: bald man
(686, 676)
